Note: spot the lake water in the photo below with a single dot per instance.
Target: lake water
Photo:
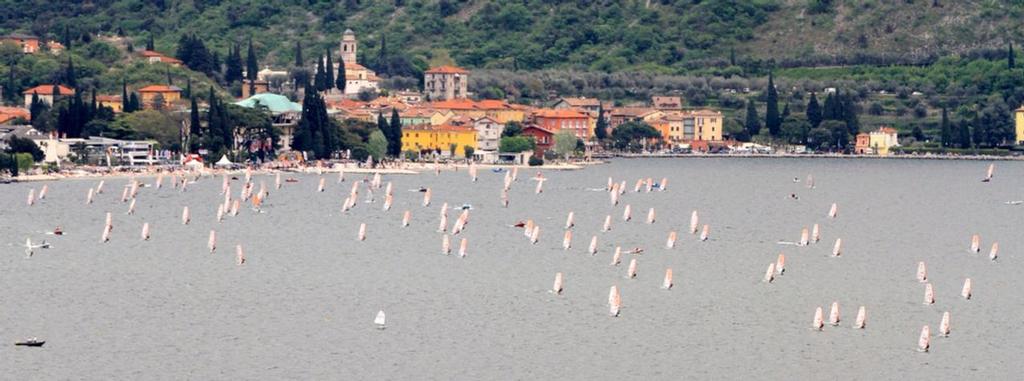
(303, 305)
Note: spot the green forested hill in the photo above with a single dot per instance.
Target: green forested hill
(672, 36)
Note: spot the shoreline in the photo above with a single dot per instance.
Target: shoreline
(810, 156)
(421, 168)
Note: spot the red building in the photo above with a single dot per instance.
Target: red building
(542, 137)
(558, 120)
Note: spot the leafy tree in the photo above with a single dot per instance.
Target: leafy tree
(512, 128)
(149, 124)
(771, 116)
(565, 143)
(819, 138)
(918, 134)
(753, 123)
(814, 112)
(632, 135)
(795, 131)
(515, 144)
(377, 145)
(601, 128)
(469, 150)
(24, 145)
(839, 135)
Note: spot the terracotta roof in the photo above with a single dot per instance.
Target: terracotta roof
(447, 70)
(418, 112)
(160, 89)
(163, 57)
(344, 103)
(536, 127)
(559, 113)
(887, 130)
(582, 102)
(108, 98)
(10, 113)
(47, 89)
(454, 104)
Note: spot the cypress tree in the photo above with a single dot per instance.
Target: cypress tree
(188, 87)
(233, 65)
(978, 129)
(194, 126)
(149, 43)
(753, 124)
(785, 114)
(320, 79)
(814, 111)
(946, 136)
(69, 75)
(383, 64)
(36, 107)
(55, 92)
(133, 102)
(964, 130)
(849, 114)
(601, 128)
(66, 39)
(831, 109)
(395, 143)
(340, 80)
(1010, 59)
(298, 54)
(771, 115)
(329, 72)
(251, 66)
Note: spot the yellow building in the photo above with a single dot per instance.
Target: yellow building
(1018, 121)
(688, 126)
(156, 96)
(877, 142)
(424, 137)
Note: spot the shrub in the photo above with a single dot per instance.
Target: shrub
(536, 161)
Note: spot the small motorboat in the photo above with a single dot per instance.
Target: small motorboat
(33, 342)
(497, 170)
(291, 180)
(466, 207)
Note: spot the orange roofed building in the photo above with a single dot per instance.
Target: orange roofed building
(446, 82)
(155, 57)
(46, 94)
(153, 93)
(555, 120)
(8, 114)
(27, 44)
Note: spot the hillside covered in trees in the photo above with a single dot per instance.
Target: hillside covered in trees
(666, 36)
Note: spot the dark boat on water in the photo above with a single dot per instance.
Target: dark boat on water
(33, 342)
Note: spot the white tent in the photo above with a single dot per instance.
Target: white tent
(224, 162)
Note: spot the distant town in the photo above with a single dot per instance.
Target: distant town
(338, 110)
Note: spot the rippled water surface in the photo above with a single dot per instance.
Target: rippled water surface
(303, 305)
